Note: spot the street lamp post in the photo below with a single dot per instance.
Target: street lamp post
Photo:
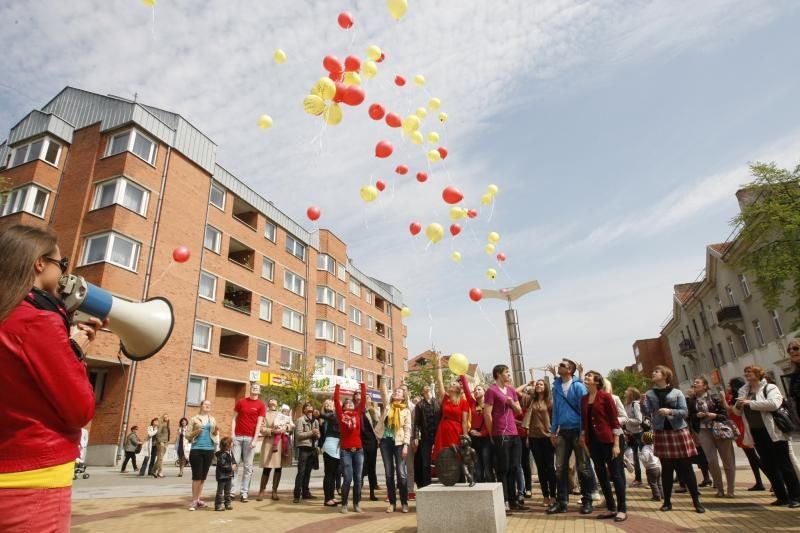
(510, 294)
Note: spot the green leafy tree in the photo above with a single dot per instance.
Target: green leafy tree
(298, 389)
(426, 375)
(770, 235)
(621, 380)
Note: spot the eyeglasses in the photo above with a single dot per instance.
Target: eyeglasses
(62, 263)
(793, 349)
(563, 365)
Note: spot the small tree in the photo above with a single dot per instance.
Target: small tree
(298, 389)
(770, 235)
(621, 380)
(426, 375)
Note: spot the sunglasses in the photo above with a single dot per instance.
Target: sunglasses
(794, 349)
(563, 365)
(62, 263)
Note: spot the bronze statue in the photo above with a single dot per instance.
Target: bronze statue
(468, 459)
(456, 461)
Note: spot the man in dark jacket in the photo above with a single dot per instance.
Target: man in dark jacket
(427, 414)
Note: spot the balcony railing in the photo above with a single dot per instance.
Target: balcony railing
(730, 316)
(687, 348)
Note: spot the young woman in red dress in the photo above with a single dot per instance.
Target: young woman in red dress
(455, 413)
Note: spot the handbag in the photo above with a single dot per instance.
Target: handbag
(315, 460)
(724, 431)
(138, 449)
(782, 417)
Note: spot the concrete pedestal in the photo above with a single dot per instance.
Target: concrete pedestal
(461, 508)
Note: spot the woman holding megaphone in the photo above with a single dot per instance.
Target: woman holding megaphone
(45, 394)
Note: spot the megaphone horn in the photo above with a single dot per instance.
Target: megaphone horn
(143, 328)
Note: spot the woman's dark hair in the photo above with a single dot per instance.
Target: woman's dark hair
(703, 379)
(182, 420)
(544, 396)
(735, 384)
(22, 246)
(154, 422)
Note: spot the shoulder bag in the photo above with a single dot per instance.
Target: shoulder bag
(782, 417)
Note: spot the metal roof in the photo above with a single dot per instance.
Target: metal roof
(37, 123)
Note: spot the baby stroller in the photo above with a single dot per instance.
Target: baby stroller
(80, 461)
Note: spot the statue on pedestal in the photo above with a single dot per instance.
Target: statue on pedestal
(455, 461)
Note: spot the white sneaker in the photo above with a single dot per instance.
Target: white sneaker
(357, 508)
(343, 509)
(595, 496)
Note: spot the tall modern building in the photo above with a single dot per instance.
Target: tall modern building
(123, 184)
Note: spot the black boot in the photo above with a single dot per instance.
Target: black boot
(372, 496)
(698, 507)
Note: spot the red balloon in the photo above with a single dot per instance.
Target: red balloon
(402, 170)
(332, 64)
(399, 80)
(415, 228)
(380, 59)
(380, 185)
(442, 152)
(345, 20)
(451, 195)
(336, 75)
(341, 90)
(501, 257)
(376, 111)
(455, 229)
(394, 120)
(422, 177)
(181, 254)
(352, 64)
(354, 95)
(313, 212)
(472, 213)
(475, 295)
(383, 149)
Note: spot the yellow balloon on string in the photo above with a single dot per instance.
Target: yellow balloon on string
(397, 8)
(369, 69)
(419, 80)
(325, 89)
(434, 156)
(489, 249)
(442, 117)
(434, 232)
(405, 312)
(486, 199)
(492, 189)
(491, 273)
(421, 112)
(434, 104)
(410, 123)
(433, 137)
(494, 237)
(313, 104)
(265, 122)
(456, 213)
(456, 256)
(352, 78)
(279, 56)
(368, 193)
(333, 115)
(458, 364)
(416, 137)
(374, 52)
(149, 3)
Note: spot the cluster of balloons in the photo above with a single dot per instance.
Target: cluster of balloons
(491, 192)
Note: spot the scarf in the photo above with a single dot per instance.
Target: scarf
(349, 419)
(394, 414)
(47, 302)
(661, 394)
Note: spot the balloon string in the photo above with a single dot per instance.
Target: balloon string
(488, 319)
(500, 264)
(163, 273)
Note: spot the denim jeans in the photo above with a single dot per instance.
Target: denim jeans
(606, 464)
(353, 466)
(305, 456)
(394, 464)
(223, 492)
(483, 469)
(331, 466)
(507, 451)
(426, 451)
(243, 453)
(567, 445)
(635, 444)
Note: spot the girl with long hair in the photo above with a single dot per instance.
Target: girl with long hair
(455, 413)
(541, 409)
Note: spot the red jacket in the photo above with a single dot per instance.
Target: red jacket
(45, 395)
(604, 417)
(351, 434)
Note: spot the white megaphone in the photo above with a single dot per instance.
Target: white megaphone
(143, 328)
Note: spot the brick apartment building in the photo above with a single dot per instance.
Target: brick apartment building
(650, 353)
(123, 184)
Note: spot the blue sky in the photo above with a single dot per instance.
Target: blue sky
(617, 132)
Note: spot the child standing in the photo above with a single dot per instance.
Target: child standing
(652, 465)
(226, 467)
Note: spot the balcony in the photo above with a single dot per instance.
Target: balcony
(687, 349)
(233, 344)
(380, 329)
(730, 317)
(241, 254)
(245, 213)
(380, 303)
(380, 354)
(237, 298)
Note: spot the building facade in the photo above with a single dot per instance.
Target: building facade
(123, 184)
(650, 353)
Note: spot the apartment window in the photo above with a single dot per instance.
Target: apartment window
(292, 320)
(341, 303)
(341, 271)
(341, 335)
(97, 379)
(208, 286)
(390, 359)
(325, 330)
(326, 295)
(45, 148)
(759, 333)
(121, 191)
(719, 302)
(688, 331)
(324, 366)
(696, 330)
(370, 379)
(368, 296)
(133, 141)
(389, 333)
(729, 292)
(745, 344)
(31, 199)
(713, 357)
(201, 340)
(290, 358)
(197, 390)
(713, 320)
(217, 196)
(326, 262)
(265, 309)
(340, 368)
(267, 268)
(262, 353)
(685, 373)
(355, 315)
(776, 322)
(356, 374)
(212, 239)
(295, 247)
(355, 288)
(355, 345)
(270, 231)
(370, 350)
(370, 320)
(294, 283)
(721, 353)
(745, 286)
(111, 248)
(703, 319)
(731, 348)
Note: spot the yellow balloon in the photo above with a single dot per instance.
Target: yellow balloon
(265, 122)
(279, 56)
(434, 104)
(442, 117)
(456, 256)
(352, 78)
(434, 232)
(405, 312)
(421, 112)
(313, 104)
(458, 364)
(397, 8)
(434, 155)
(369, 69)
(149, 3)
(489, 249)
(492, 189)
(373, 52)
(368, 193)
(325, 89)
(456, 213)
(416, 137)
(486, 199)
(419, 80)
(494, 237)
(333, 115)
(433, 137)
(410, 123)
(491, 273)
